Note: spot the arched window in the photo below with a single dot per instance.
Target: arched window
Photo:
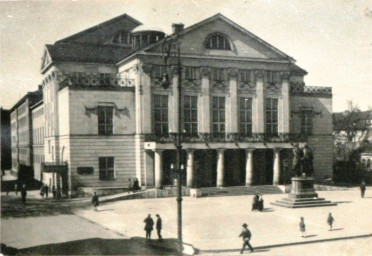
(218, 41)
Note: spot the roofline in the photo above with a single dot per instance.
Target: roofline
(35, 105)
(98, 26)
(23, 99)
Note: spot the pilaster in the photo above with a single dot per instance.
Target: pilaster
(232, 103)
(145, 100)
(284, 107)
(259, 110)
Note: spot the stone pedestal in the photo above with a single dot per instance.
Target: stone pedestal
(303, 195)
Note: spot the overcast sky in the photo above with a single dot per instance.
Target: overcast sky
(330, 39)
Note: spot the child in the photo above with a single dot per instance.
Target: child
(330, 220)
(302, 226)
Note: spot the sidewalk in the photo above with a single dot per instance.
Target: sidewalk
(213, 224)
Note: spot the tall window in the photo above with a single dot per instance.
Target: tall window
(218, 42)
(218, 114)
(245, 116)
(191, 114)
(105, 120)
(161, 114)
(272, 116)
(218, 74)
(106, 168)
(246, 75)
(273, 77)
(191, 73)
(306, 122)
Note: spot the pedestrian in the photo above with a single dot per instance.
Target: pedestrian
(23, 193)
(148, 227)
(363, 188)
(159, 227)
(46, 190)
(136, 186)
(246, 235)
(95, 201)
(42, 191)
(16, 188)
(54, 191)
(302, 226)
(330, 220)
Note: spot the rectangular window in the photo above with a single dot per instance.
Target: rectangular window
(191, 73)
(218, 115)
(105, 120)
(306, 122)
(272, 116)
(245, 116)
(77, 77)
(218, 74)
(106, 168)
(161, 114)
(273, 77)
(104, 79)
(246, 75)
(191, 114)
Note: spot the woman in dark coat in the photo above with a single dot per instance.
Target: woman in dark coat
(149, 226)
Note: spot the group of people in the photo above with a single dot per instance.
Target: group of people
(330, 221)
(303, 160)
(149, 227)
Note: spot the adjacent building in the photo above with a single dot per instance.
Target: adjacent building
(22, 136)
(5, 151)
(108, 116)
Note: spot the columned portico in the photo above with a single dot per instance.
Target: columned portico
(190, 168)
(276, 176)
(249, 167)
(158, 168)
(220, 167)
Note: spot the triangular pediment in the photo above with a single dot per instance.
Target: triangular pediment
(243, 43)
(46, 59)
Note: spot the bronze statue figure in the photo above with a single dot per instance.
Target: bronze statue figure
(307, 162)
(297, 160)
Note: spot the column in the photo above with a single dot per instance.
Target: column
(190, 168)
(220, 167)
(249, 167)
(259, 114)
(284, 108)
(276, 176)
(158, 168)
(204, 103)
(232, 103)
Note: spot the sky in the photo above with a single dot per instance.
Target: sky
(330, 39)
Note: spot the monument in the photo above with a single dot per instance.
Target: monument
(302, 192)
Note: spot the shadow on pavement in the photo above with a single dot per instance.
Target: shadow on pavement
(98, 246)
(343, 202)
(267, 247)
(268, 210)
(336, 229)
(310, 236)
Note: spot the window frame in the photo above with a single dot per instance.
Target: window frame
(190, 110)
(108, 125)
(271, 114)
(247, 112)
(218, 113)
(218, 41)
(103, 167)
(160, 103)
(307, 121)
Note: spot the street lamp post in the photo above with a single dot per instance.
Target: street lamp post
(167, 47)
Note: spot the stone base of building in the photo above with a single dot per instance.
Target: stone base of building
(303, 195)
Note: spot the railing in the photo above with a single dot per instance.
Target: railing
(301, 89)
(228, 137)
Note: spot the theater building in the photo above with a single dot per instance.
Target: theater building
(108, 117)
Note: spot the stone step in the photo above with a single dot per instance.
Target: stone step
(289, 205)
(240, 190)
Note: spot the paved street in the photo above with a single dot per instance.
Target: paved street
(212, 225)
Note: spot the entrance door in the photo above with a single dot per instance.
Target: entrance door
(205, 164)
(234, 167)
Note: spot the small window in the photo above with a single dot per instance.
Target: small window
(218, 42)
(191, 73)
(106, 168)
(218, 74)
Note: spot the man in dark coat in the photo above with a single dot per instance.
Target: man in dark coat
(149, 226)
(246, 235)
(297, 160)
(308, 158)
(95, 201)
(23, 193)
(159, 227)
(362, 188)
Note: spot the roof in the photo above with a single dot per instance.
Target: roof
(33, 97)
(87, 53)
(103, 25)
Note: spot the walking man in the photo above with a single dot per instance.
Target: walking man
(246, 235)
(23, 193)
(330, 220)
(95, 201)
(302, 227)
(362, 188)
(159, 227)
(149, 226)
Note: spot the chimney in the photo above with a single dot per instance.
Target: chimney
(177, 27)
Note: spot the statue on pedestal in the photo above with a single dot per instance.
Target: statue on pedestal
(307, 162)
(297, 160)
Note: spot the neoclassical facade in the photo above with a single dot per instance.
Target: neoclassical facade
(109, 118)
